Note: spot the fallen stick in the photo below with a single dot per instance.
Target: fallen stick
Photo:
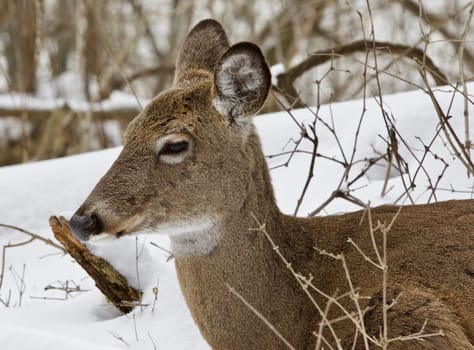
(110, 282)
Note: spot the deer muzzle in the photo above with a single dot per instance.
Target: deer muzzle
(84, 226)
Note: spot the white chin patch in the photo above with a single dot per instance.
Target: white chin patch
(101, 239)
(193, 237)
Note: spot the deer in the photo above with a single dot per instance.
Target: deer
(192, 168)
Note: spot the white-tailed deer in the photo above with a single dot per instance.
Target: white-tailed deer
(192, 167)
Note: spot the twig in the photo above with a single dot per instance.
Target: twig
(259, 315)
(286, 79)
(66, 288)
(152, 341)
(34, 236)
(4, 250)
(155, 299)
(135, 327)
(436, 21)
(6, 303)
(449, 133)
(137, 271)
(118, 337)
(19, 282)
(170, 254)
(311, 167)
(462, 52)
(262, 228)
(418, 335)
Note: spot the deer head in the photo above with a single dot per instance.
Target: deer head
(189, 156)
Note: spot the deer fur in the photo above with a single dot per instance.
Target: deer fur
(210, 195)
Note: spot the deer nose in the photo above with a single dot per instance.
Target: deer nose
(85, 226)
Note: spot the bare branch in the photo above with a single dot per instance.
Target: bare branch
(34, 236)
(287, 79)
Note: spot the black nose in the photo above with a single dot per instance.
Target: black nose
(84, 227)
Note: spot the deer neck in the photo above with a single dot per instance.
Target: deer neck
(242, 258)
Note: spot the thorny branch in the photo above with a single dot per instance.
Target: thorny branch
(456, 145)
(399, 152)
(356, 317)
(256, 312)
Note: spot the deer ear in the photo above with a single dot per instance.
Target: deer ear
(241, 82)
(201, 49)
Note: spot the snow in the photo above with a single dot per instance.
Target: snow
(45, 319)
(30, 194)
(415, 119)
(276, 70)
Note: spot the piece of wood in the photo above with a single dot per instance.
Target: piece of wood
(110, 282)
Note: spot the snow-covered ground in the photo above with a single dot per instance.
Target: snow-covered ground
(39, 318)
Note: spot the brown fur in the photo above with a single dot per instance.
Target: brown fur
(430, 247)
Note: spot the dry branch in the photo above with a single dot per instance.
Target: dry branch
(111, 283)
(436, 21)
(287, 79)
(33, 237)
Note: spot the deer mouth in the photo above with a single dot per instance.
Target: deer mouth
(102, 238)
(94, 229)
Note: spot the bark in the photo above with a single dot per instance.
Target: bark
(110, 282)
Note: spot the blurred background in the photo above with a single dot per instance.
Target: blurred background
(73, 73)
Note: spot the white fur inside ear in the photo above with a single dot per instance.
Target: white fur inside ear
(239, 82)
(237, 75)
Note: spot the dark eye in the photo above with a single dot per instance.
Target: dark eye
(175, 147)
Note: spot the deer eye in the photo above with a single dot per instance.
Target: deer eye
(175, 147)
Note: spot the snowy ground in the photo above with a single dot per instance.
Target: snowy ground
(29, 194)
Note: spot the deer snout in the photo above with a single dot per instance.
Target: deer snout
(84, 226)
